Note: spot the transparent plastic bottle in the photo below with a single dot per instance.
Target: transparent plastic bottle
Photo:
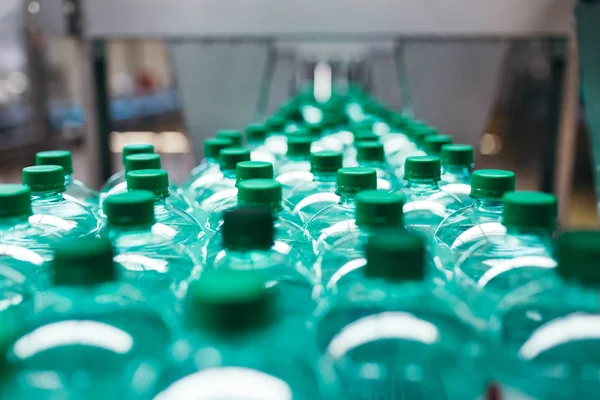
(75, 189)
(550, 322)
(244, 170)
(372, 155)
(23, 250)
(158, 263)
(172, 220)
(130, 149)
(309, 198)
(350, 181)
(237, 347)
(54, 214)
(208, 170)
(89, 330)
(341, 248)
(465, 227)
(499, 264)
(266, 193)
(136, 162)
(433, 144)
(426, 204)
(457, 164)
(422, 341)
(234, 136)
(296, 168)
(248, 241)
(256, 134)
(228, 159)
(276, 142)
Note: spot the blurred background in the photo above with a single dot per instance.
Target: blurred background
(91, 76)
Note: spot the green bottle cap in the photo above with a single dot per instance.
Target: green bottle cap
(458, 155)
(44, 178)
(364, 125)
(228, 158)
(420, 132)
(56, 157)
(212, 147)
(578, 256)
(326, 161)
(329, 121)
(248, 229)
(84, 261)
(234, 136)
(253, 170)
(396, 257)
(365, 136)
(135, 207)
(153, 180)
(260, 193)
(142, 148)
(433, 143)
(135, 162)
(353, 180)
(422, 168)
(491, 183)
(256, 132)
(230, 302)
(275, 124)
(369, 152)
(299, 146)
(529, 210)
(15, 201)
(313, 130)
(378, 208)
(400, 121)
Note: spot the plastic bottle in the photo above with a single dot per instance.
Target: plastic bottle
(341, 248)
(143, 148)
(462, 229)
(423, 341)
(296, 168)
(228, 159)
(308, 198)
(426, 204)
(266, 193)
(75, 189)
(174, 221)
(433, 144)
(498, 264)
(248, 241)
(457, 164)
(208, 170)
(550, 323)
(234, 136)
(136, 162)
(237, 347)
(276, 142)
(244, 170)
(23, 251)
(371, 155)
(151, 259)
(350, 181)
(55, 215)
(256, 134)
(89, 330)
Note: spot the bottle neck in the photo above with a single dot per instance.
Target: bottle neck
(324, 176)
(544, 235)
(458, 170)
(490, 205)
(47, 196)
(422, 184)
(68, 180)
(116, 231)
(347, 199)
(228, 173)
